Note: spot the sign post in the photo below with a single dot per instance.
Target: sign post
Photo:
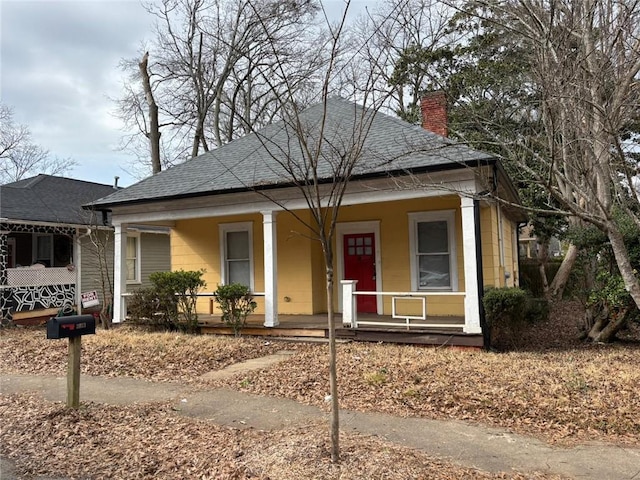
(73, 328)
(73, 372)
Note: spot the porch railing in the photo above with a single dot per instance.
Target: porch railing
(350, 312)
(27, 276)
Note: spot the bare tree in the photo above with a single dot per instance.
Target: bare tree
(20, 157)
(154, 127)
(210, 70)
(585, 64)
(317, 154)
(397, 32)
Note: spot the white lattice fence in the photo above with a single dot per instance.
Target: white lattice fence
(22, 277)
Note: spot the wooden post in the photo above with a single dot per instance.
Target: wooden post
(73, 372)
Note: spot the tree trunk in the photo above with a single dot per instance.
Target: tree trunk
(624, 264)
(604, 330)
(333, 371)
(543, 257)
(559, 282)
(154, 127)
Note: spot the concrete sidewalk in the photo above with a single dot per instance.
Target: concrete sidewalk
(488, 449)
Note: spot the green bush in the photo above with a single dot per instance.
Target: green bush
(236, 303)
(142, 307)
(170, 303)
(178, 295)
(508, 311)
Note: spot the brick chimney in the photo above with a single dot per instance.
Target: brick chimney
(434, 112)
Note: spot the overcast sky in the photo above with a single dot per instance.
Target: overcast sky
(59, 69)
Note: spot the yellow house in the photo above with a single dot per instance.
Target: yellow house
(420, 230)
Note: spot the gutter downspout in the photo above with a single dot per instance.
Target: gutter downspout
(486, 334)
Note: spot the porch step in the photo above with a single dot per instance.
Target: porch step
(414, 338)
(265, 331)
(34, 317)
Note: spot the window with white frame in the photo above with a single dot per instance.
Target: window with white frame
(236, 253)
(133, 258)
(432, 244)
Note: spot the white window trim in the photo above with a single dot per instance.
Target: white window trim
(225, 228)
(138, 279)
(347, 228)
(414, 218)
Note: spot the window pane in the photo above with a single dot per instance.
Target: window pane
(367, 240)
(132, 255)
(351, 241)
(43, 250)
(239, 272)
(359, 241)
(432, 237)
(238, 246)
(131, 247)
(434, 271)
(352, 251)
(131, 269)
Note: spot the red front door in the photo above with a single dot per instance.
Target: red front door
(360, 265)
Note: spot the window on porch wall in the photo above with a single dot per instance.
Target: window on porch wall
(133, 259)
(52, 250)
(433, 251)
(237, 264)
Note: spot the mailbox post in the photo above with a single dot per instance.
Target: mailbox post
(73, 328)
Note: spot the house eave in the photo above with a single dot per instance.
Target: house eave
(13, 221)
(284, 185)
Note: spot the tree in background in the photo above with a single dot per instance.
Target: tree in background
(209, 72)
(20, 157)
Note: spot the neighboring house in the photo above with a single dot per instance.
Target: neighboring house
(51, 250)
(529, 246)
(417, 221)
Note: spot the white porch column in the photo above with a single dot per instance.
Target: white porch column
(471, 298)
(119, 273)
(269, 228)
(349, 310)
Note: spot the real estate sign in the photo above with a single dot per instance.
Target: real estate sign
(90, 299)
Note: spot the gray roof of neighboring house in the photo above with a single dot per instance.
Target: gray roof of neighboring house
(51, 199)
(391, 146)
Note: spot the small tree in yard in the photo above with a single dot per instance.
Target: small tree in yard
(318, 156)
(236, 303)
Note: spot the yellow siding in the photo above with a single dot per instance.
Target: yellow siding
(301, 273)
(318, 278)
(490, 246)
(294, 266)
(195, 245)
(395, 251)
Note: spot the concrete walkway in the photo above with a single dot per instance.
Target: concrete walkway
(471, 446)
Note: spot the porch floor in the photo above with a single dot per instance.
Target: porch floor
(315, 326)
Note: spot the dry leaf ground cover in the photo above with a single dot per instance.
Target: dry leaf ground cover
(570, 393)
(152, 441)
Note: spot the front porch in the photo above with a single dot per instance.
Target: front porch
(373, 328)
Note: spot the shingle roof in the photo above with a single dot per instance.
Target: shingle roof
(46, 198)
(391, 146)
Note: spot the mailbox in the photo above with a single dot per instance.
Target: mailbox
(69, 327)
